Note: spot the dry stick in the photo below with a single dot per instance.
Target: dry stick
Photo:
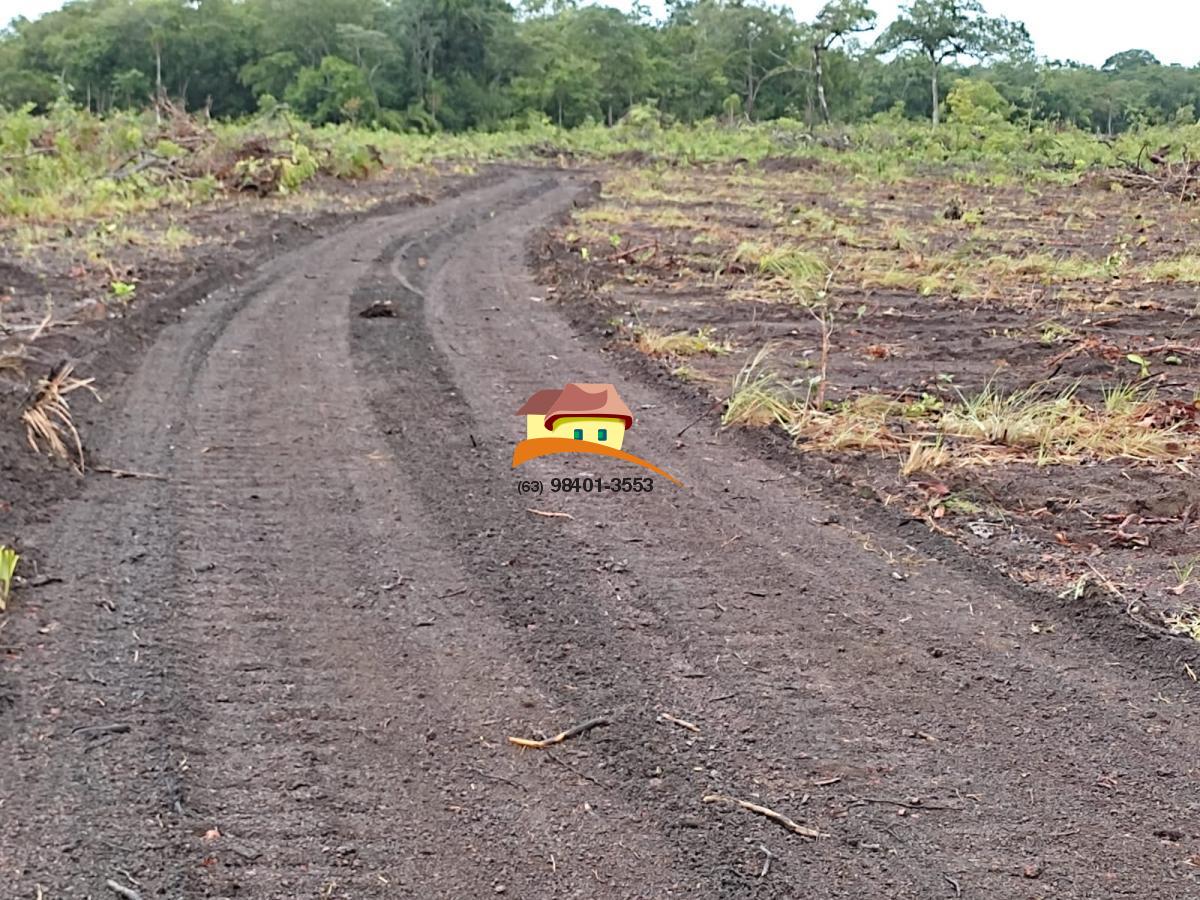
(127, 893)
(682, 723)
(766, 862)
(549, 515)
(887, 801)
(491, 777)
(707, 410)
(826, 320)
(111, 728)
(777, 818)
(574, 771)
(127, 473)
(575, 731)
(632, 250)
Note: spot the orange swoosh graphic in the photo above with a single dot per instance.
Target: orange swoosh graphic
(532, 448)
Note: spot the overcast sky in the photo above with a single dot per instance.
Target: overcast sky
(1088, 31)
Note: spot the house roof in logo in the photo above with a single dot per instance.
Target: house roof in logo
(599, 401)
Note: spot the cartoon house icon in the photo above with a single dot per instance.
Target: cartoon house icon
(582, 412)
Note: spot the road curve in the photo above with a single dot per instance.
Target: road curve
(288, 668)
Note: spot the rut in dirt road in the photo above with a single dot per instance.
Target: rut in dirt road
(325, 622)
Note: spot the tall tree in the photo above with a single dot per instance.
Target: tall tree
(1127, 60)
(944, 30)
(836, 20)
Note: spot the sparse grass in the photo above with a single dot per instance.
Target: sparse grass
(1051, 269)
(804, 272)
(903, 239)
(607, 214)
(1185, 573)
(12, 363)
(1182, 269)
(986, 428)
(927, 276)
(924, 457)
(691, 374)
(1052, 332)
(1185, 622)
(1058, 427)
(759, 396)
(680, 343)
(813, 220)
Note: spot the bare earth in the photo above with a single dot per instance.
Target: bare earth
(289, 667)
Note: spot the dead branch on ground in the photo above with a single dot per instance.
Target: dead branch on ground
(574, 731)
(776, 817)
(682, 723)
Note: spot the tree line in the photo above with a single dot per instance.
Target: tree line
(460, 64)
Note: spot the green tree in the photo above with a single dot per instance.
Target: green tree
(1128, 60)
(836, 20)
(976, 102)
(944, 30)
(334, 91)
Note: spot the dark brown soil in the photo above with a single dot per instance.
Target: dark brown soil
(1127, 531)
(107, 337)
(289, 668)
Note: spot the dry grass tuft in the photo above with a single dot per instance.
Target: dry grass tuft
(991, 427)
(924, 457)
(47, 415)
(759, 397)
(1061, 428)
(12, 364)
(804, 272)
(1182, 269)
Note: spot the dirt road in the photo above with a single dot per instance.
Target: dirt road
(288, 668)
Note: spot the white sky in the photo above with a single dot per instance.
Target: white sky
(1088, 31)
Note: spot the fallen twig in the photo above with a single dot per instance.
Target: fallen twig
(127, 473)
(126, 892)
(766, 862)
(776, 817)
(575, 731)
(624, 254)
(548, 514)
(682, 723)
(491, 777)
(707, 410)
(95, 730)
(907, 804)
(574, 771)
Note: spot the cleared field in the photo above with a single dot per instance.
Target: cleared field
(1012, 360)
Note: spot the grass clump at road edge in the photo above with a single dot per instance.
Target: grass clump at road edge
(759, 397)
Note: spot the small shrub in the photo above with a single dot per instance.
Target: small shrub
(8, 567)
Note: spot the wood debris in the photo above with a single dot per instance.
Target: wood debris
(766, 812)
(682, 723)
(548, 514)
(574, 731)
